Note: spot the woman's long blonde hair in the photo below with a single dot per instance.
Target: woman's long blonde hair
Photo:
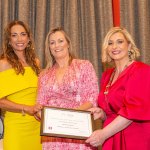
(50, 60)
(12, 58)
(134, 50)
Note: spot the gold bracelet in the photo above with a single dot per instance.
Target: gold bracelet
(23, 112)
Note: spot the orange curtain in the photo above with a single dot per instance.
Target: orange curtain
(116, 12)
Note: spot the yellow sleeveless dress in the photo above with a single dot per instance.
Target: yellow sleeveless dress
(21, 132)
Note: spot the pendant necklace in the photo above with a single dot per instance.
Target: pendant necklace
(111, 79)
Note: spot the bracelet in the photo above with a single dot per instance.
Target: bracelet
(23, 112)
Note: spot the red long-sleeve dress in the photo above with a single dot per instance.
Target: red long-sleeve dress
(128, 96)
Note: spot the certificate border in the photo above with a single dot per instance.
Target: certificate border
(64, 135)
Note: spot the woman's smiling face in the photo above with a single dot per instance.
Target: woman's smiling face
(19, 38)
(58, 45)
(118, 46)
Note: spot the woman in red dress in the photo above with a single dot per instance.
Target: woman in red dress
(124, 99)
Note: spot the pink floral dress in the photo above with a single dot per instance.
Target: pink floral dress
(79, 85)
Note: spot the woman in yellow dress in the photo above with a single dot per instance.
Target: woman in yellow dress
(19, 68)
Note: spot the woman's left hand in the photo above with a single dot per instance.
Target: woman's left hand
(37, 107)
(97, 138)
(37, 115)
(98, 113)
(37, 110)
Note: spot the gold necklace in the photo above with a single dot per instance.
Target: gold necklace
(109, 83)
(127, 64)
(112, 77)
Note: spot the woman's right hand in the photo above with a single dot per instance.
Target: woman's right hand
(98, 113)
(97, 138)
(32, 110)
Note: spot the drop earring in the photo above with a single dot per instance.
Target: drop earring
(129, 55)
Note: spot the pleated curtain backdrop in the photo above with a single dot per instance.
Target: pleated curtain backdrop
(135, 16)
(85, 21)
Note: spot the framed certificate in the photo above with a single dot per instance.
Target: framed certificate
(68, 123)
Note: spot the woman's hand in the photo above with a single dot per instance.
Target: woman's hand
(37, 115)
(97, 138)
(31, 110)
(98, 113)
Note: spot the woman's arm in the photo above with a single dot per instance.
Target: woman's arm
(14, 107)
(99, 136)
(88, 86)
(85, 106)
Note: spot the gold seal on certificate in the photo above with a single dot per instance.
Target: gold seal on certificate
(67, 123)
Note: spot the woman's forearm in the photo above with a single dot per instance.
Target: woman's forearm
(10, 106)
(85, 106)
(98, 137)
(21, 108)
(115, 126)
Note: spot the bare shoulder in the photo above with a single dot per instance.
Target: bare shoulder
(4, 65)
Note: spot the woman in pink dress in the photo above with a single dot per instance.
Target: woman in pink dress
(66, 83)
(124, 98)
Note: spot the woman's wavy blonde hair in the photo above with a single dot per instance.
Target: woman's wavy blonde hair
(50, 60)
(134, 50)
(10, 55)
